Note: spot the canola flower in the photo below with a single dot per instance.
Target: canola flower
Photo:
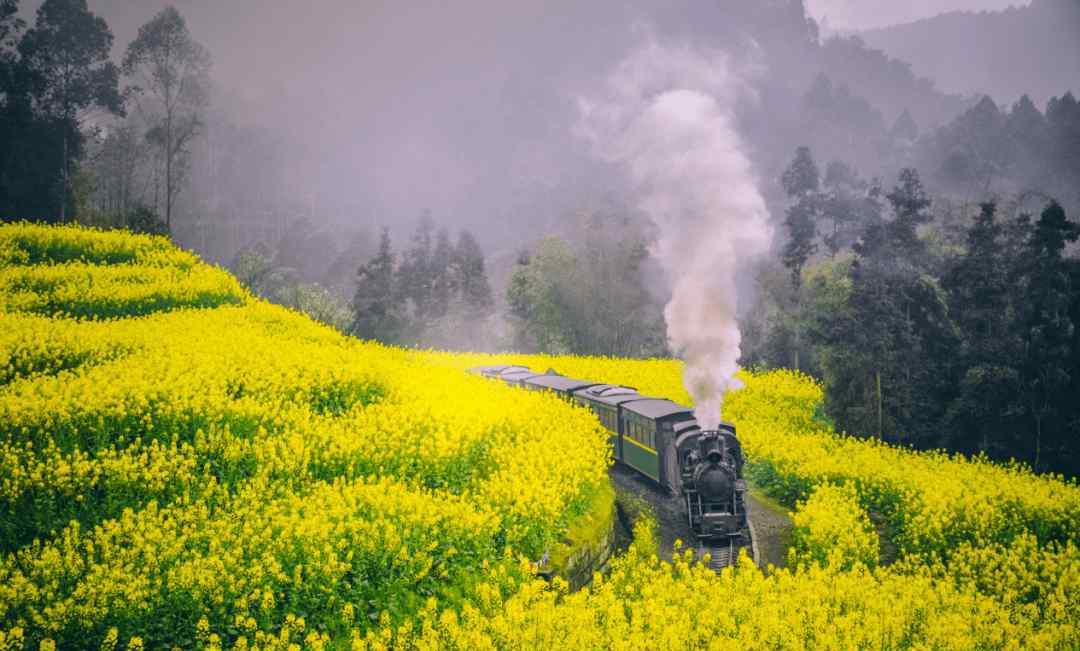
(166, 461)
(830, 528)
(227, 474)
(649, 604)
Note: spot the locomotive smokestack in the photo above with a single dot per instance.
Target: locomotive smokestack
(669, 118)
(711, 447)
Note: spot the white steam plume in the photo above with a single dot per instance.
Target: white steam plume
(667, 115)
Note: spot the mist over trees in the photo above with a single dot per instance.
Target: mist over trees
(170, 73)
(436, 293)
(992, 52)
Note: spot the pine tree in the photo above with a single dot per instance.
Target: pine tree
(375, 304)
(873, 335)
(1063, 123)
(471, 278)
(801, 181)
(1025, 127)
(978, 282)
(414, 277)
(801, 177)
(909, 202)
(1047, 330)
(840, 204)
(889, 351)
(443, 283)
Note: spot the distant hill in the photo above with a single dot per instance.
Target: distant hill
(1033, 49)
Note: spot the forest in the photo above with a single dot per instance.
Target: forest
(923, 265)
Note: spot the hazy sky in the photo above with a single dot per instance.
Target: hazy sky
(862, 14)
(465, 108)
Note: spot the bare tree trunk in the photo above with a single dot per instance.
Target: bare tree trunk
(880, 427)
(798, 324)
(64, 178)
(168, 172)
(1038, 442)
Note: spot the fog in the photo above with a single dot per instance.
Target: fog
(379, 111)
(390, 109)
(860, 14)
(374, 112)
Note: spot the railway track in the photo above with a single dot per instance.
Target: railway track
(670, 514)
(718, 556)
(721, 554)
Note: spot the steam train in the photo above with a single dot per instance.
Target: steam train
(660, 440)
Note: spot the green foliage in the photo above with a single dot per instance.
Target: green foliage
(255, 268)
(1050, 382)
(57, 71)
(319, 303)
(541, 294)
(966, 340)
(800, 180)
(588, 297)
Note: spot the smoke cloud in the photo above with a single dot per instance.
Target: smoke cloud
(667, 116)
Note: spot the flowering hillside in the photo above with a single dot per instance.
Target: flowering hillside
(186, 466)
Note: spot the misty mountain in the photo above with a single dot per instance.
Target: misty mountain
(357, 115)
(1033, 49)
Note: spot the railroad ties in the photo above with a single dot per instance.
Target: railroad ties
(720, 555)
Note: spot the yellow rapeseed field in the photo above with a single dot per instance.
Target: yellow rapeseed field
(184, 466)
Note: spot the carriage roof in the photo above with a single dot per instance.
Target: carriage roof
(659, 408)
(516, 375)
(608, 394)
(484, 370)
(558, 382)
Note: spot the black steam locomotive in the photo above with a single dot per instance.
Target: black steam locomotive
(661, 440)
